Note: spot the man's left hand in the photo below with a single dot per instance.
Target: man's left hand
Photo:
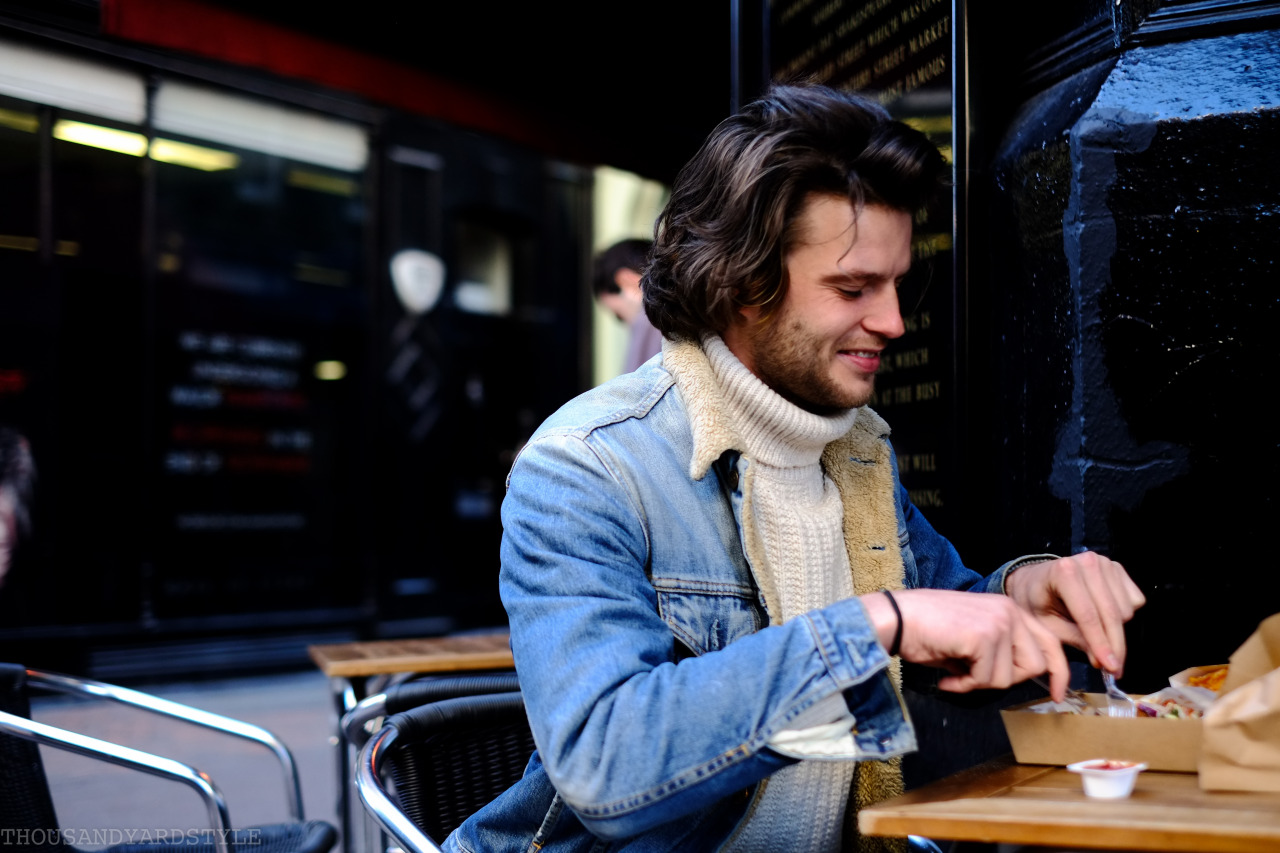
(1084, 599)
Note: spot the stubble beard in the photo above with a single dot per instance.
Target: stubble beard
(797, 365)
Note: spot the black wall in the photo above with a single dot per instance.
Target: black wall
(1101, 324)
(1123, 236)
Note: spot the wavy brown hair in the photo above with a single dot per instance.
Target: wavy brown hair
(721, 241)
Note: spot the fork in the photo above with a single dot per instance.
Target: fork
(1120, 704)
(1072, 698)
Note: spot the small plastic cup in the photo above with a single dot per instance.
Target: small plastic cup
(1107, 778)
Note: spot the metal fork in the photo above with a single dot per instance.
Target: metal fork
(1072, 698)
(1119, 703)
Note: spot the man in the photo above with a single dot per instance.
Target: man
(710, 566)
(616, 283)
(17, 476)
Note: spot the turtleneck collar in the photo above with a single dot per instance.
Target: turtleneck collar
(775, 431)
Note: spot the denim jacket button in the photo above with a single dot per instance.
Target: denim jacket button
(733, 479)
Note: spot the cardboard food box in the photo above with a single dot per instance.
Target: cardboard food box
(1057, 738)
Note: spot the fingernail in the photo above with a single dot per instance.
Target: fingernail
(1113, 663)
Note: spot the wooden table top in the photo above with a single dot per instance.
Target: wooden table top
(1002, 801)
(430, 654)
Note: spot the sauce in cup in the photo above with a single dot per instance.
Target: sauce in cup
(1107, 778)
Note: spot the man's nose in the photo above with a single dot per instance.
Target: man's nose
(885, 316)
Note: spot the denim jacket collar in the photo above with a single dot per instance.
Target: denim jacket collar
(713, 432)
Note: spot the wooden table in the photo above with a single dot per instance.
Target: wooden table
(352, 667)
(1002, 801)
(431, 654)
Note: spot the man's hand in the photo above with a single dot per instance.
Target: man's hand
(1084, 600)
(981, 640)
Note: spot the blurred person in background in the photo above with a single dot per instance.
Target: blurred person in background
(616, 282)
(17, 479)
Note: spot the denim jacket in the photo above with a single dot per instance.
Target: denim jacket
(653, 675)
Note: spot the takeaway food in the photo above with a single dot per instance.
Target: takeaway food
(1168, 703)
(1210, 678)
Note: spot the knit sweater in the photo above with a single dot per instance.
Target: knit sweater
(858, 462)
(797, 516)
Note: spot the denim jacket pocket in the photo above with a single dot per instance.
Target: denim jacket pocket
(705, 616)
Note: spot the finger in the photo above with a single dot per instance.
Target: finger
(1126, 590)
(1086, 593)
(1044, 654)
(1128, 597)
(1028, 658)
(1112, 605)
(982, 661)
(1002, 666)
(960, 678)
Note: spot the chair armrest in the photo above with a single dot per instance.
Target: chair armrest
(376, 801)
(124, 756)
(363, 720)
(355, 724)
(175, 710)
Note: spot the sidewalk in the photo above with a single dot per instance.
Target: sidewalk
(91, 795)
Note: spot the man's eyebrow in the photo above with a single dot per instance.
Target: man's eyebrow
(852, 277)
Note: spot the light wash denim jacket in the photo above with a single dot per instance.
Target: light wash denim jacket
(652, 676)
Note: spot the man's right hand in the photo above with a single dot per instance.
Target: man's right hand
(982, 640)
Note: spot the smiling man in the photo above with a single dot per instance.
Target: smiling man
(710, 567)
(821, 352)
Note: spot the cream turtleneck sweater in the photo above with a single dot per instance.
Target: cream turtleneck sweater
(797, 514)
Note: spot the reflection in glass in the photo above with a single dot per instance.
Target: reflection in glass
(485, 260)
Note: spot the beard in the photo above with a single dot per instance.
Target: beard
(797, 364)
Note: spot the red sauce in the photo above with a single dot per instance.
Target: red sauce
(1109, 765)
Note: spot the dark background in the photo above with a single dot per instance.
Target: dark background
(641, 84)
(1159, 415)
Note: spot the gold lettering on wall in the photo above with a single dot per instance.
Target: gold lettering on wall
(926, 498)
(890, 49)
(909, 462)
(881, 46)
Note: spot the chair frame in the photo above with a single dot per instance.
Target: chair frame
(355, 724)
(366, 717)
(215, 803)
(378, 750)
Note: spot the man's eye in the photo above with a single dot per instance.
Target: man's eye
(851, 294)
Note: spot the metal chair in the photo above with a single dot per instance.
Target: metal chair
(367, 716)
(26, 808)
(365, 719)
(431, 767)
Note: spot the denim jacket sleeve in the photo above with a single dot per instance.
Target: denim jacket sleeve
(630, 738)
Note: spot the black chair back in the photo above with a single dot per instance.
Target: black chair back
(440, 763)
(426, 689)
(26, 806)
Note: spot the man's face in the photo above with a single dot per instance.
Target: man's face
(628, 302)
(821, 349)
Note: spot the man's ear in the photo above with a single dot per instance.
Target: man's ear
(739, 334)
(747, 315)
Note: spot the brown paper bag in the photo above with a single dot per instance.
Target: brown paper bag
(1240, 750)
